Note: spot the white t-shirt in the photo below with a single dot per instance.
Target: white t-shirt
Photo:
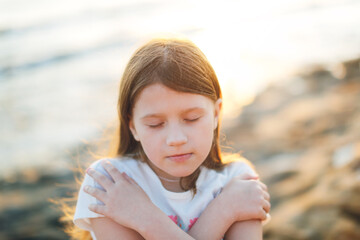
(182, 208)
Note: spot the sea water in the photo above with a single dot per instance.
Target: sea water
(61, 61)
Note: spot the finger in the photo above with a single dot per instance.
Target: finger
(268, 218)
(100, 209)
(113, 171)
(266, 206)
(95, 192)
(263, 186)
(101, 179)
(248, 176)
(262, 215)
(129, 179)
(266, 195)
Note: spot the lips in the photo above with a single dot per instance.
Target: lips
(179, 158)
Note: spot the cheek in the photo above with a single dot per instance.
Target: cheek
(150, 143)
(204, 138)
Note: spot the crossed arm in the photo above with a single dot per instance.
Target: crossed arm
(243, 204)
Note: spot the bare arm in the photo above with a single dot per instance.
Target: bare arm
(137, 217)
(236, 212)
(208, 226)
(245, 230)
(158, 227)
(105, 228)
(134, 217)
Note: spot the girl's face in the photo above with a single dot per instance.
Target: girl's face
(175, 129)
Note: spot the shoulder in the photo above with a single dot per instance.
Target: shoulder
(237, 167)
(121, 163)
(232, 168)
(132, 167)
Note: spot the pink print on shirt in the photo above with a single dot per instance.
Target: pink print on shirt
(192, 222)
(183, 226)
(174, 218)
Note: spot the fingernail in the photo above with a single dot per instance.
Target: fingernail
(125, 176)
(106, 163)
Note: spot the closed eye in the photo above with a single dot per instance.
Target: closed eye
(155, 125)
(192, 119)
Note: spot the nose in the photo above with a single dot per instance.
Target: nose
(176, 137)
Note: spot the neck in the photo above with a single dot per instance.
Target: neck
(169, 183)
(175, 180)
(172, 186)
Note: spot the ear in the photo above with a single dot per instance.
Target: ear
(218, 106)
(133, 130)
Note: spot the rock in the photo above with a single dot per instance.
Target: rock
(25, 209)
(306, 147)
(315, 211)
(303, 137)
(345, 154)
(352, 70)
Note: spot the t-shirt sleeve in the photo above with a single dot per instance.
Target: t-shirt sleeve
(82, 213)
(240, 167)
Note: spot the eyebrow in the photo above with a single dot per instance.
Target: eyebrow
(157, 115)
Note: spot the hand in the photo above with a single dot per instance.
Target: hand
(125, 201)
(245, 198)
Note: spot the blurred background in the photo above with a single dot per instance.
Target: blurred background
(290, 74)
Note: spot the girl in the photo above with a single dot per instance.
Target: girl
(169, 179)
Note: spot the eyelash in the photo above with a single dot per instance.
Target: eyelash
(192, 120)
(156, 126)
(160, 124)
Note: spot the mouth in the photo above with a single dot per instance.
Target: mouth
(179, 158)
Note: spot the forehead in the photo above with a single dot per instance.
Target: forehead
(157, 98)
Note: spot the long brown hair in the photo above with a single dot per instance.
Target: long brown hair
(179, 65)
